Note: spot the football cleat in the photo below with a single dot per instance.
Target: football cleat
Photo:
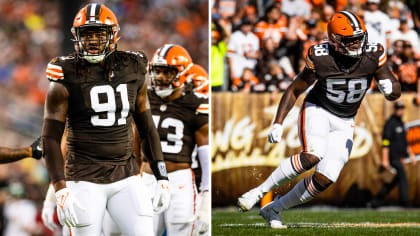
(272, 217)
(249, 199)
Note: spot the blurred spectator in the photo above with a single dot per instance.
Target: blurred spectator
(273, 25)
(296, 8)
(407, 68)
(20, 213)
(327, 13)
(218, 51)
(243, 50)
(377, 24)
(275, 80)
(247, 82)
(405, 33)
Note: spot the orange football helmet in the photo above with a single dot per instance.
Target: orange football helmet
(174, 57)
(95, 17)
(199, 77)
(347, 32)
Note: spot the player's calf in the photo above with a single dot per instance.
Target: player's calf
(289, 169)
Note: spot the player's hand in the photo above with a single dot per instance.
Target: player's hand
(162, 196)
(275, 133)
(36, 149)
(66, 207)
(385, 86)
(47, 215)
(202, 222)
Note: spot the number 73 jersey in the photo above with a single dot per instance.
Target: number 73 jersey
(177, 121)
(338, 89)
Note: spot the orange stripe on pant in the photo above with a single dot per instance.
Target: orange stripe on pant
(195, 197)
(302, 127)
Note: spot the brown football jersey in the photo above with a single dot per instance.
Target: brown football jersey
(177, 121)
(99, 120)
(342, 81)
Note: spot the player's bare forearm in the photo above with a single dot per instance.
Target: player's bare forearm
(385, 157)
(8, 155)
(55, 113)
(298, 86)
(202, 135)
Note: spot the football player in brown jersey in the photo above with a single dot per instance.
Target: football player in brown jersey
(8, 155)
(343, 69)
(96, 93)
(181, 118)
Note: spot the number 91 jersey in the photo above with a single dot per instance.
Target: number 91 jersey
(101, 101)
(340, 89)
(177, 121)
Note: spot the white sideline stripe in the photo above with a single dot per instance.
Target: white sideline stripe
(332, 225)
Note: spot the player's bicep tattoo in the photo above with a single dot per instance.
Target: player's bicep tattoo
(56, 103)
(142, 101)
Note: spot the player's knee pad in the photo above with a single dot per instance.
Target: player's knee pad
(320, 181)
(308, 160)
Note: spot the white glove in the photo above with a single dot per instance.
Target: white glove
(162, 196)
(385, 86)
(47, 215)
(66, 208)
(275, 133)
(202, 222)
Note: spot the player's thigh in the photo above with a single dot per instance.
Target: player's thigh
(109, 227)
(337, 155)
(313, 124)
(92, 198)
(180, 215)
(131, 208)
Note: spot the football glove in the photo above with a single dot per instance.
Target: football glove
(275, 133)
(66, 208)
(162, 196)
(36, 149)
(385, 86)
(47, 215)
(202, 222)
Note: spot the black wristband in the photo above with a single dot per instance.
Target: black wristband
(159, 170)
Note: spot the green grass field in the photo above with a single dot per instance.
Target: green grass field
(319, 222)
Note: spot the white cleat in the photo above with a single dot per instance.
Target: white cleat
(272, 217)
(249, 199)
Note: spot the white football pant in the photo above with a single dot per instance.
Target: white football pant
(127, 201)
(326, 136)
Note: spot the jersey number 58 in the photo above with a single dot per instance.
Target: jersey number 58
(350, 91)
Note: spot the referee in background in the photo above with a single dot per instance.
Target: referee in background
(394, 149)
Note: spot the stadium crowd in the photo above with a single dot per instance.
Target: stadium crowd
(31, 34)
(259, 46)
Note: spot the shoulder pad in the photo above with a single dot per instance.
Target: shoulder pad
(54, 71)
(203, 108)
(377, 51)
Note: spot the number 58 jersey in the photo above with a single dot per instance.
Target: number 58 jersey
(340, 88)
(177, 121)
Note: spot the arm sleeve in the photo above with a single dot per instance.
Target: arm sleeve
(202, 115)
(151, 145)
